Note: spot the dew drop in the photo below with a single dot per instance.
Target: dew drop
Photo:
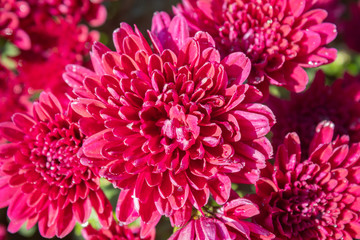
(85, 224)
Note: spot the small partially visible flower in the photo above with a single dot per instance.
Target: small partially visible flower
(313, 198)
(12, 13)
(41, 178)
(168, 124)
(41, 67)
(339, 103)
(115, 232)
(92, 11)
(17, 17)
(227, 222)
(280, 37)
(13, 98)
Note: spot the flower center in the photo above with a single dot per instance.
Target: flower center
(54, 152)
(307, 207)
(181, 128)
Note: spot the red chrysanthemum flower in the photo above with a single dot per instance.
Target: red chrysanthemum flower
(168, 124)
(41, 67)
(227, 222)
(92, 11)
(279, 36)
(313, 199)
(18, 17)
(338, 103)
(115, 232)
(41, 178)
(12, 12)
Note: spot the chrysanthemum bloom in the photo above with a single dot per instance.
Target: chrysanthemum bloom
(47, 52)
(338, 103)
(280, 37)
(115, 232)
(227, 222)
(316, 198)
(41, 178)
(41, 67)
(92, 11)
(169, 123)
(11, 13)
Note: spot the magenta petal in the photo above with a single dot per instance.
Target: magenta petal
(10, 132)
(323, 134)
(238, 67)
(297, 7)
(211, 229)
(220, 188)
(179, 31)
(297, 77)
(327, 31)
(187, 232)
(241, 208)
(125, 208)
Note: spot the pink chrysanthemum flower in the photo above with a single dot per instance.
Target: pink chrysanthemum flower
(41, 178)
(338, 103)
(41, 67)
(115, 232)
(315, 198)
(168, 124)
(280, 37)
(227, 222)
(92, 11)
(17, 17)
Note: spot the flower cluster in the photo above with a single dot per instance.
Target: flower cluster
(179, 125)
